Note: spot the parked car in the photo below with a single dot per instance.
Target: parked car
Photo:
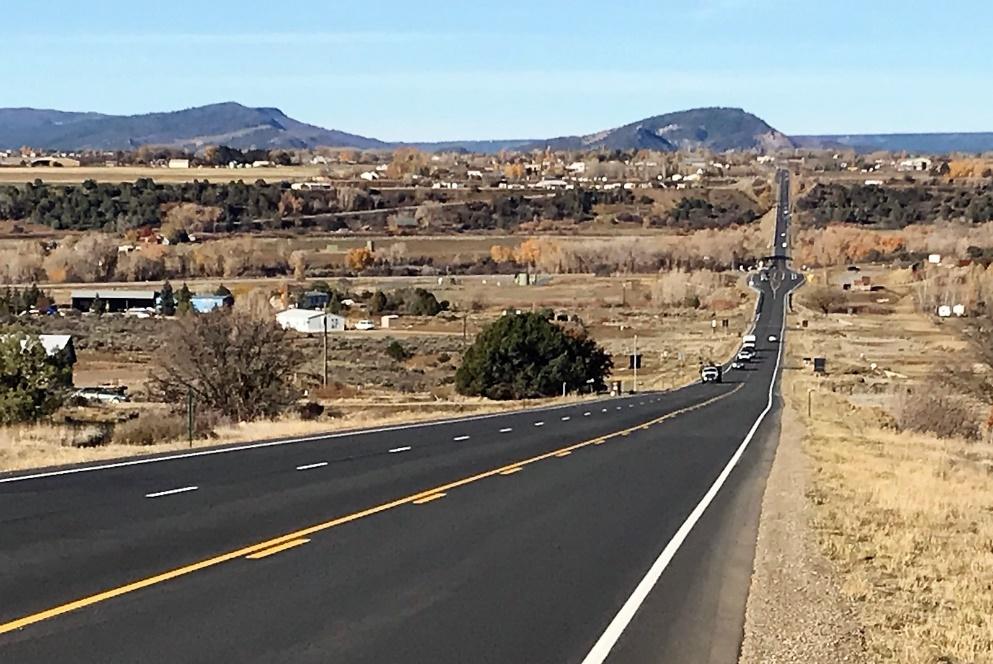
(365, 325)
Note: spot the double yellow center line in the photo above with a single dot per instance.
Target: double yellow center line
(290, 540)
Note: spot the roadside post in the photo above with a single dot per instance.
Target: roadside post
(189, 414)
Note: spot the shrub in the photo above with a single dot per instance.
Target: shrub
(527, 356)
(150, 429)
(937, 412)
(397, 352)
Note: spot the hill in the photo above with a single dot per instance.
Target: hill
(227, 123)
(718, 129)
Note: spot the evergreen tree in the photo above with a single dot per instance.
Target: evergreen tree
(184, 299)
(526, 356)
(168, 300)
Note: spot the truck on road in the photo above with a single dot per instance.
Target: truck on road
(710, 373)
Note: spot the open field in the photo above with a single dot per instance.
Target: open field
(903, 517)
(367, 386)
(19, 174)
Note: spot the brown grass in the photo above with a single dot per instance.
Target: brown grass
(15, 175)
(905, 517)
(44, 445)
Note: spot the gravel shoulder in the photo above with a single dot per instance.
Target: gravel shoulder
(795, 611)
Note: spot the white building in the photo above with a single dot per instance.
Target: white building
(369, 176)
(309, 321)
(178, 163)
(916, 164)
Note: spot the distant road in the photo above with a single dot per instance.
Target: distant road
(619, 530)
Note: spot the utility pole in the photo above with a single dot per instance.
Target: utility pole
(465, 328)
(325, 349)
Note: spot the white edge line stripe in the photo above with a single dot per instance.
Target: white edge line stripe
(397, 450)
(461, 438)
(603, 646)
(282, 441)
(159, 494)
(539, 424)
(506, 430)
(566, 418)
(319, 464)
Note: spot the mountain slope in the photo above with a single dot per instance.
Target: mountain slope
(226, 123)
(717, 129)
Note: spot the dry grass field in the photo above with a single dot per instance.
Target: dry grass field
(17, 175)
(906, 518)
(369, 387)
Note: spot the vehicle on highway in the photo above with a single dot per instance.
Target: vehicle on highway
(737, 364)
(773, 338)
(784, 245)
(746, 355)
(749, 339)
(710, 373)
(365, 325)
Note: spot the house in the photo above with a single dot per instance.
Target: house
(914, 164)
(403, 222)
(114, 300)
(178, 163)
(370, 176)
(313, 300)
(309, 322)
(207, 302)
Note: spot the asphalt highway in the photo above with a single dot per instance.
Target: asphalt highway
(617, 530)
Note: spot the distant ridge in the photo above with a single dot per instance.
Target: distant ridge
(719, 129)
(936, 143)
(226, 123)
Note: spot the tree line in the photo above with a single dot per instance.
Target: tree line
(895, 207)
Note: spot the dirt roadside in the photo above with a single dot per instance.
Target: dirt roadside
(795, 611)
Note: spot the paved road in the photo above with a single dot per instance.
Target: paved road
(618, 530)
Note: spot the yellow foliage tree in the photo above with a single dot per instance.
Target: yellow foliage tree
(501, 254)
(528, 252)
(359, 259)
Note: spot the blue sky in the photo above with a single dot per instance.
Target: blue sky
(434, 70)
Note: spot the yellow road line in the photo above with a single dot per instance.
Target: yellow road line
(258, 555)
(511, 471)
(428, 499)
(306, 532)
(563, 453)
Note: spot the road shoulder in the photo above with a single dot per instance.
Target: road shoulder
(795, 610)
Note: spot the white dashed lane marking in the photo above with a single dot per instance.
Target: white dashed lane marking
(171, 492)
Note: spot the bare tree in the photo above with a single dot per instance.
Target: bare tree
(235, 364)
(825, 299)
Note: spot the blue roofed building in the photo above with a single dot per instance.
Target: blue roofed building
(203, 304)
